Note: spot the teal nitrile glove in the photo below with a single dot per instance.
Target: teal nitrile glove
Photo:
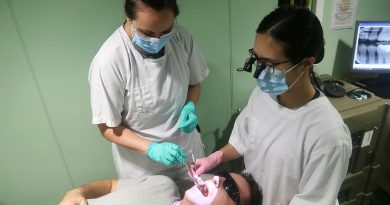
(188, 119)
(167, 153)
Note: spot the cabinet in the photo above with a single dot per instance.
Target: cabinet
(366, 121)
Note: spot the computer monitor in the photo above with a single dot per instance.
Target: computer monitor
(371, 56)
(371, 47)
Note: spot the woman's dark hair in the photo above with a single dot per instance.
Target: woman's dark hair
(157, 5)
(256, 194)
(298, 30)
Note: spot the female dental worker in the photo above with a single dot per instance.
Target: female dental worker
(145, 82)
(293, 140)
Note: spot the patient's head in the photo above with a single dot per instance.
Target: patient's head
(227, 189)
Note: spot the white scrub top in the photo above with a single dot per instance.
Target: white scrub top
(298, 156)
(146, 96)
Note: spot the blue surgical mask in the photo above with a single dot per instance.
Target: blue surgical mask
(150, 44)
(275, 83)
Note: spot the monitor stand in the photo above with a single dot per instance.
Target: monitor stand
(379, 85)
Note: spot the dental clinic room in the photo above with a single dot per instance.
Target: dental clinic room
(195, 102)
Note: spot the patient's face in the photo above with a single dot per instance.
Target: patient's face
(216, 192)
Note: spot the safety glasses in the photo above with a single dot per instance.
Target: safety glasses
(264, 62)
(146, 35)
(230, 186)
(260, 63)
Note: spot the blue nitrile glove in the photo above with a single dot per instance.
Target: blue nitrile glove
(167, 153)
(188, 119)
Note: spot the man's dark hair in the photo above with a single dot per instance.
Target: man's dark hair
(157, 5)
(256, 195)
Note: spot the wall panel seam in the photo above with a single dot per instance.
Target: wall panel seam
(230, 56)
(42, 99)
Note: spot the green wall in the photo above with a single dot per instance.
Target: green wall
(338, 43)
(48, 144)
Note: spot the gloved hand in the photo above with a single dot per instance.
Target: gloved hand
(167, 153)
(205, 164)
(188, 119)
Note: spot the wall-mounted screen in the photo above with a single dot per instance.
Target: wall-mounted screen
(371, 47)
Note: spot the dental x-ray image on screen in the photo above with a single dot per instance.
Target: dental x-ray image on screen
(371, 47)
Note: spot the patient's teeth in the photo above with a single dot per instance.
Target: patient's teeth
(363, 35)
(373, 36)
(371, 53)
(383, 53)
(384, 35)
(362, 53)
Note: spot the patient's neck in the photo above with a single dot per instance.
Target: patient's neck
(184, 202)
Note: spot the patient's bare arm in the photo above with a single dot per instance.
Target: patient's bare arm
(79, 195)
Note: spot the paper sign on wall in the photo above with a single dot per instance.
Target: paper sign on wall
(343, 14)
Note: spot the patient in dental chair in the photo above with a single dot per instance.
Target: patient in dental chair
(222, 189)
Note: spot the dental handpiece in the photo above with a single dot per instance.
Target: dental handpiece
(190, 165)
